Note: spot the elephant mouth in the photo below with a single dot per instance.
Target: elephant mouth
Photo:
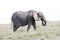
(44, 22)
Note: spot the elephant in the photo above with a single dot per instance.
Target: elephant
(21, 18)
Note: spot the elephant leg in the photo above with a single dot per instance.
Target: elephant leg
(29, 25)
(34, 25)
(28, 28)
(15, 27)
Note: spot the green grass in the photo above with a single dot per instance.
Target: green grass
(51, 30)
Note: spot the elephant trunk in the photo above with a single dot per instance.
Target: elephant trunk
(43, 22)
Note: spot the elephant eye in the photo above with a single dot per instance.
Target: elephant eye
(38, 14)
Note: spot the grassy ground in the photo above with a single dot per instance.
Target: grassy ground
(50, 32)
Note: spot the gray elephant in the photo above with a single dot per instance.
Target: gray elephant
(21, 18)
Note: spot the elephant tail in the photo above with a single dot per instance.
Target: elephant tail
(11, 24)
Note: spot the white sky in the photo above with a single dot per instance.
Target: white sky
(50, 8)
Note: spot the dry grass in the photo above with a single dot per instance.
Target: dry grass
(49, 32)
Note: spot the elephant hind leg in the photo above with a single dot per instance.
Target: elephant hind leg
(15, 27)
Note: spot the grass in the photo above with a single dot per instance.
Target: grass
(49, 32)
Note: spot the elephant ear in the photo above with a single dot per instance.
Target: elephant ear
(35, 16)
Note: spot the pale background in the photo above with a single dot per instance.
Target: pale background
(50, 8)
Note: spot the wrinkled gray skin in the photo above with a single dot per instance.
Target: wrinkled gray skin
(26, 18)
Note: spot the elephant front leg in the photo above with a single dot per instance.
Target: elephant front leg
(29, 26)
(34, 25)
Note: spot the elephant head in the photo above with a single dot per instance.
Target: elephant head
(39, 16)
